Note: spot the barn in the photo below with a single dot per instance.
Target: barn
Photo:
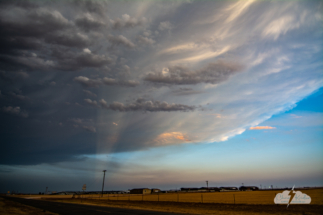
(248, 188)
(228, 189)
(155, 190)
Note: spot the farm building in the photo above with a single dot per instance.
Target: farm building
(248, 188)
(189, 189)
(140, 191)
(223, 189)
(212, 189)
(201, 189)
(155, 190)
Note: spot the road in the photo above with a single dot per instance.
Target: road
(77, 209)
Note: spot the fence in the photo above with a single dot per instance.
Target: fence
(249, 197)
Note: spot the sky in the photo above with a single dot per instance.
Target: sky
(161, 94)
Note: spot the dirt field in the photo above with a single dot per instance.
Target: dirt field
(10, 208)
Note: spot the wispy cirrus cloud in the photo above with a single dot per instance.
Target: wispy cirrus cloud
(261, 127)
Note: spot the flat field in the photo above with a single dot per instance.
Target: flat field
(247, 197)
(224, 203)
(8, 207)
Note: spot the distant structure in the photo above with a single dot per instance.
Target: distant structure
(155, 190)
(223, 189)
(140, 191)
(201, 189)
(210, 189)
(248, 188)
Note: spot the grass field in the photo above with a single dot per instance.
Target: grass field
(223, 203)
(202, 208)
(9, 208)
(251, 197)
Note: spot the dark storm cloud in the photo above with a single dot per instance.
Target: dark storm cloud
(180, 75)
(19, 3)
(5, 77)
(92, 6)
(45, 150)
(88, 23)
(126, 22)
(15, 111)
(26, 63)
(89, 93)
(127, 83)
(91, 60)
(185, 91)
(165, 26)
(145, 40)
(143, 105)
(42, 38)
(90, 128)
(17, 96)
(68, 60)
(77, 120)
(90, 102)
(69, 38)
(87, 82)
(120, 40)
(25, 33)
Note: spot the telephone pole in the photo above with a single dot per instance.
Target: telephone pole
(207, 185)
(103, 181)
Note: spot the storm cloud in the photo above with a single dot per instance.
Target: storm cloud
(90, 23)
(120, 40)
(214, 73)
(87, 82)
(15, 111)
(91, 60)
(146, 106)
(127, 22)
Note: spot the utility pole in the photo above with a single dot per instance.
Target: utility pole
(46, 191)
(103, 181)
(207, 185)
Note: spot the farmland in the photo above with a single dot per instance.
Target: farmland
(8, 207)
(251, 197)
(254, 202)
